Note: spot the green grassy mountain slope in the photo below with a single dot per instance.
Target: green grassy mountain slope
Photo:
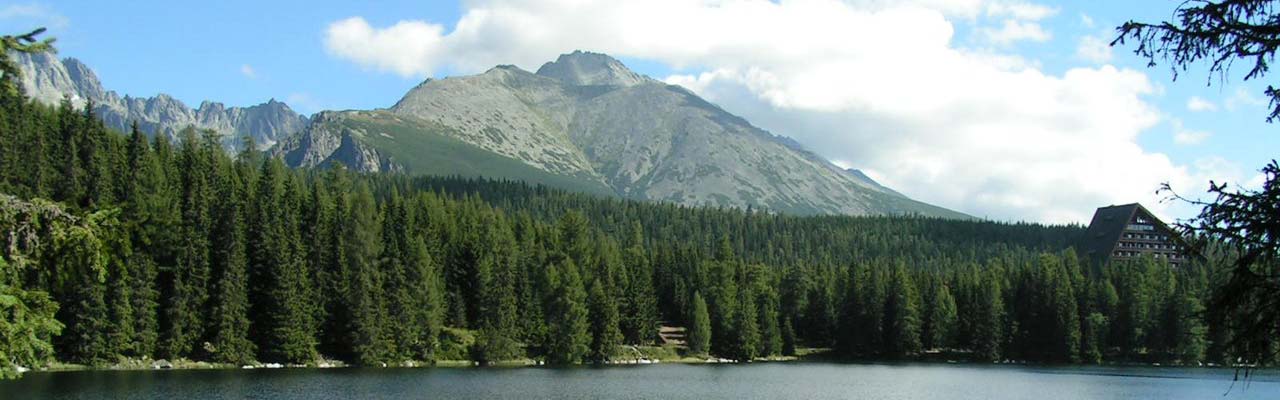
(381, 141)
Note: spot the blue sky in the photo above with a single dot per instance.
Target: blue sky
(310, 54)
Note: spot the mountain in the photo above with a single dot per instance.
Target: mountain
(586, 122)
(48, 79)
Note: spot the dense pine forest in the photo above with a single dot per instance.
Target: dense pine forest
(120, 246)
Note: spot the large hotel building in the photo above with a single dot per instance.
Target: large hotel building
(1126, 232)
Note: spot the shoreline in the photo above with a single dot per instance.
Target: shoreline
(189, 365)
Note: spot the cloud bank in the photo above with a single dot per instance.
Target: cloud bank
(877, 85)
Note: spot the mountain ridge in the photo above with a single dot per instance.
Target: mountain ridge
(588, 118)
(583, 122)
(49, 80)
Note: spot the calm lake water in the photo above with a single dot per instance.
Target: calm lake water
(765, 381)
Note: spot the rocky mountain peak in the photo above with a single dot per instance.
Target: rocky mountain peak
(85, 80)
(42, 75)
(210, 106)
(581, 68)
(498, 73)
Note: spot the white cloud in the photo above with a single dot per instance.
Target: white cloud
(1020, 22)
(1086, 20)
(1014, 30)
(1198, 104)
(1020, 10)
(1221, 170)
(248, 72)
(1243, 98)
(1094, 49)
(38, 14)
(1190, 137)
(876, 84)
(408, 48)
(1256, 182)
(1184, 136)
(1213, 168)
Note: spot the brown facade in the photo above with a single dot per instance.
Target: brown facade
(1127, 232)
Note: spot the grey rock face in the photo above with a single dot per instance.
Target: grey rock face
(48, 79)
(506, 110)
(326, 140)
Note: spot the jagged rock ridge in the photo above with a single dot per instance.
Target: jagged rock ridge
(47, 79)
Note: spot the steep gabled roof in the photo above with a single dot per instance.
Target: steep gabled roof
(1110, 222)
(1105, 229)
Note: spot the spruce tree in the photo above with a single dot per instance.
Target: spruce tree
(497, 319)
(70, 181)
(28, 316)
(117, 253)
(1093, 331)
(574, 238)
(145, 307)
(369, 317)
(280, 295)
(568, 336)
(605, 335)
(938, 329)
(723, 306)
(771, 342)
(640, 306)
(746, 345)
(463, 273)
(698, 334)
(496, 280)
(79, 287)
(1066, 315)
(228, 316)
(788, 338)
(190, 276)
(533, 257)
(326, 255)
(902, 315)
(412, 287)
(395, 283)
(989, 320)
(870, 296)
(96, 160)
(142, 212)
(427, 309)
(1186, 327)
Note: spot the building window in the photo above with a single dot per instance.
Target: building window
(1140, 227)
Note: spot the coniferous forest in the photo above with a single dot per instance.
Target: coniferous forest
(122, 246)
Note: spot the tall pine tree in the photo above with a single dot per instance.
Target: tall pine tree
(605, 335)
(280, 296)
(698, 333)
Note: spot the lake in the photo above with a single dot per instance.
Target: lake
(763, 380)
